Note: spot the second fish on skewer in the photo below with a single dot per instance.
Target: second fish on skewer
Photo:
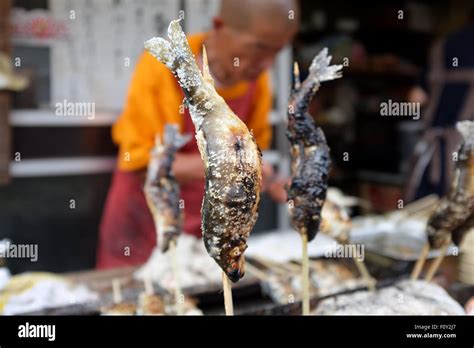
(162, 193)
(310, 160)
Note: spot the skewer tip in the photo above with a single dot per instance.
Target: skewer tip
(205, 66)
(296, 75)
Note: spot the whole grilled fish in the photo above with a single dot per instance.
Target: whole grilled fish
(336, 222)
(309, 150)
(454, 215)
(162, 189)
(232, 159)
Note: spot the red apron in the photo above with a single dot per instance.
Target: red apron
(127, 233)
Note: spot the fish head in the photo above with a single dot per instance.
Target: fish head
(466, 150)
(465, 160)
(233, 260)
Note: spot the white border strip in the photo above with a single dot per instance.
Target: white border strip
(47, 118)
(61, 166)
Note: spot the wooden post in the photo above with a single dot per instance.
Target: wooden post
(228, 302)
(437, 262)
(420, 262)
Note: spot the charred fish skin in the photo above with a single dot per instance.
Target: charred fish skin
(454, 214)
(232, 159)
(460, 232)
(309, 150)
(161, 188)
(335, 222)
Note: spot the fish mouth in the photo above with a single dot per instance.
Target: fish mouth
(236, 270)
(235, 274)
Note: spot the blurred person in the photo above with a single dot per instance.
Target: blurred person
(249, 33)
(447, 93)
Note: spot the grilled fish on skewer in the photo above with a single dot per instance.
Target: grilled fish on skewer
(309, 150)
(162, 189)
(453, 215)
(231, 157)
(455, 212)
(335, 222)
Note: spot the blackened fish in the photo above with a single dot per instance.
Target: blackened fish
(309, 150)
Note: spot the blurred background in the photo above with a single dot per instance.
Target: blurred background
(55, 171)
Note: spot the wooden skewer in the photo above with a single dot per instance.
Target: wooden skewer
(292, 267)
(117, 293)
(256, 272)
(312, 264)
(421, 204)
(178, 296)
(281, 267)
(417, 209)
(362, 268)
(271, 265)
(148, 285)
(227, 286)
(420, 262)
(437, 262)
(305, 274)
(371, 282)
(424, 213)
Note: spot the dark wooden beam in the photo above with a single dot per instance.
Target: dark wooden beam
(5, 98)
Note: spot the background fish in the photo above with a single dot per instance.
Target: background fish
(454, 214)
(309, 150)
(162, 189)
(232, 160)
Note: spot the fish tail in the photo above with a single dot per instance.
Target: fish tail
(176, 54)
(321, 71)
(466, 128)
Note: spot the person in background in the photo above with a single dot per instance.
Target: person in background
(241, 46)
(447, 93)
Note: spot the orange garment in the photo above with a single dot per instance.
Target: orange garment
(127, 233)
(155, 99)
